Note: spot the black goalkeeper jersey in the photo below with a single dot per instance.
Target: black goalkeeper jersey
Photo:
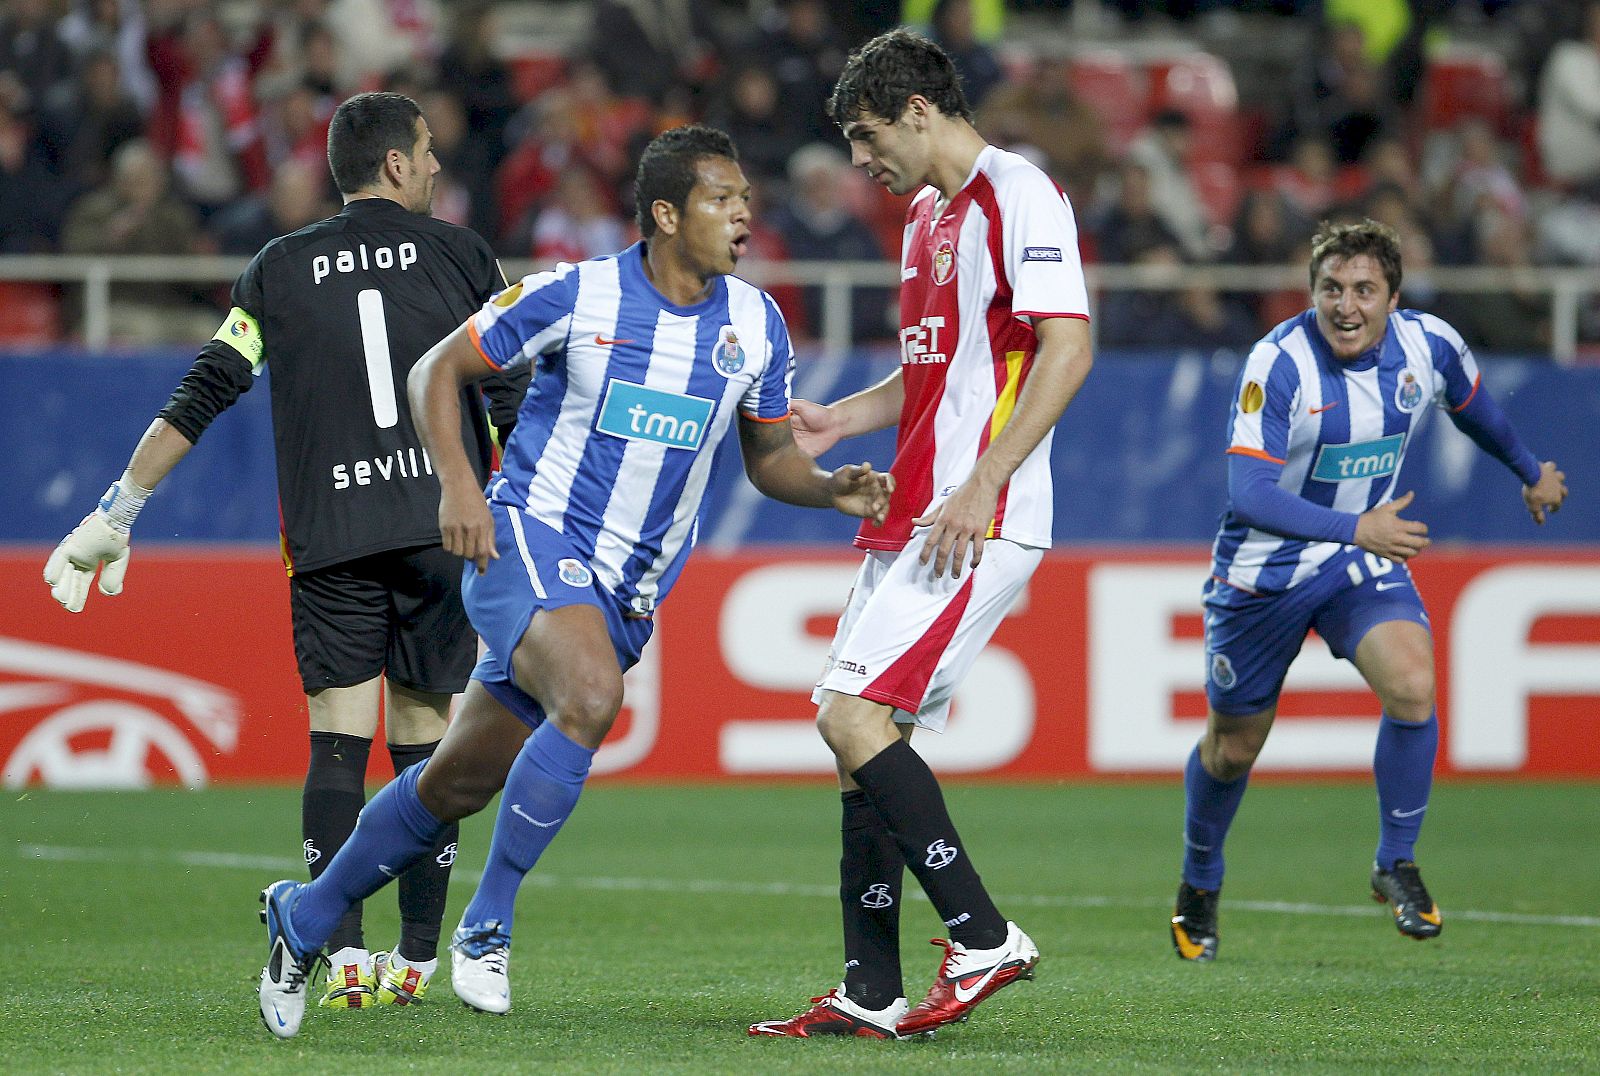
(346, 307)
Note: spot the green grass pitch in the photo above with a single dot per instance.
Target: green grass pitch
(666, 919)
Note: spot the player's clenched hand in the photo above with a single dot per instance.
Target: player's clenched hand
(959, 521)
(1546, 495)
(1381, 530)
(816, 427)
(466, 528)
(858, 490)
(93, 545)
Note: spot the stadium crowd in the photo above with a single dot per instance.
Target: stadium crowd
(199, 126)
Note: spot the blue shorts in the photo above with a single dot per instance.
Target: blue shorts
(538, 568)
(1252, 638)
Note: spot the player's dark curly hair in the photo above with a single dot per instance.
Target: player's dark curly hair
(1344, 241)
(363, 131)
(667, 168)
(881, 76)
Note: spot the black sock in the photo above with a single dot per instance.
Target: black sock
(424, 887)
(906, 794)
(335, 792)
(870, 871)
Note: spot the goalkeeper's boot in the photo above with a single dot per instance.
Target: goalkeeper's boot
(478, 955)
(966, 977)
(289, 964)
(1415, 913)
(835, 1014)
(401, 981)
(351, 983)
(1194, 924)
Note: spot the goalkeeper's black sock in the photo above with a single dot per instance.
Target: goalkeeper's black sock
(424, 887)
(334, 794)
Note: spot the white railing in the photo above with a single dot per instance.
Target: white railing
(1565, 288)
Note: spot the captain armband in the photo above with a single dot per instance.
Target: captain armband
(242, 333)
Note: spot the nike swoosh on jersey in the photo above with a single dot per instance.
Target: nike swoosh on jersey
(1324, 407)
(603, 342)
(1390, 585)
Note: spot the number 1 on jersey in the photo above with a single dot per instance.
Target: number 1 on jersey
(380, 368)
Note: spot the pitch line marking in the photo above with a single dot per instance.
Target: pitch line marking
(280, 864)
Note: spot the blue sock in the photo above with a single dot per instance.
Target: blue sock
(393, 832)
(1402, 764)
(1209, 807)
(541, 791)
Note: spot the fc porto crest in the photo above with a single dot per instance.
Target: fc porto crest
(1408, 394)
(728, 357)
(575, 573)
(1222, 673)
(944, 262)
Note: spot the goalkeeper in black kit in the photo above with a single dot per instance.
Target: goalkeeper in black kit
(341, 310)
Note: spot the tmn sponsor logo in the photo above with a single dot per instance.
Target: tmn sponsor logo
(640, 413)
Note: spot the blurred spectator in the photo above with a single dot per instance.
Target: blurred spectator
(465, 162)
(1189, 316)
(797, 42)
(1307, 181)
(767, 245)
(115, 26)
(134, 213)
(1163, 150)
(1343, 97)
(1469, 178)
(979, 68)
(1130, 225)
(378, 37)
(32, 55)
(295, 124)
(1041, 118)
(206, 116)
(81, 132)
(137, 213)
(1267, 231)
(579, 222)
(482, 81)
(528, 174)
(32, 198)
(1516, 318)
(298, 196)
(646, 47)
(1569, 109)
(818, 223)
(751, 111)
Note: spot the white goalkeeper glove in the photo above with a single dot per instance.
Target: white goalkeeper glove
(99, 543)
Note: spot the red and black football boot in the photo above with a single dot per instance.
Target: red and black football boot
(968, 976)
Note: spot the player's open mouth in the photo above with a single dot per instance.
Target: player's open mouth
(740, 245)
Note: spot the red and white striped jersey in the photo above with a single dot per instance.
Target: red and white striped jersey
(973, 275)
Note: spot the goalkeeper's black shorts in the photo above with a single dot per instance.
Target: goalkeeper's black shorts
(397, 614)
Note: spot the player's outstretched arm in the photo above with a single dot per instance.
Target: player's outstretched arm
(1546, 495)
(818, 427)
(778, 468)
(1380, 530)
(434, 388)
(100, 542)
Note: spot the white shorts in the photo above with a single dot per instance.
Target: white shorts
(907, 639)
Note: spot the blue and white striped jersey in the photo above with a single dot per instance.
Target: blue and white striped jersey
(1339, 429)
(628, 400)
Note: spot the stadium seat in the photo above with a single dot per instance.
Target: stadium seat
(30, 313)
(1201, 86)
(1462, 83)
(1116, 88)
(534, 72)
